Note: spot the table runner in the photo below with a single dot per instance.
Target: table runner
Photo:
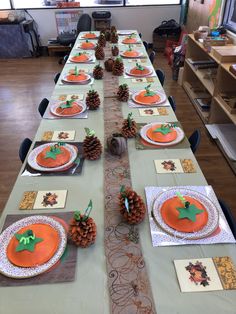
(128, 282)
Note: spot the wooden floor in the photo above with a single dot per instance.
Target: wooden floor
(24, 82)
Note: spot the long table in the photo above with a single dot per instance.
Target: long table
(89, 293)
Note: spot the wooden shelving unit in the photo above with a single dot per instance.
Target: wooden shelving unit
(224, 83)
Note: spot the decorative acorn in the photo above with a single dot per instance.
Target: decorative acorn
(113, 28)
(99, 53)
(116, 144)
(108, 34)
(114, 38)
(92, 146)
(123, 93)
(109, 64)
(118, 67)
(132, 206)
(102, 40)
(82, 228)
(92, 100)
(98, 72)
(129, 127)
(115, 51)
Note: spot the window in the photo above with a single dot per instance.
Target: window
(230, 15)
(151, 2)
(5, 4)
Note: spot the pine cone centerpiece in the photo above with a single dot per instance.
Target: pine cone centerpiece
(118, 67)
(114, 38)
(132, 207)
(123, 93)
(115, 51)
(109, 64)
(82, 228)
(92, 100)
(102, 40)
(108, 34)
(92, 146)
(98, 72)
(129, 127)
(113, 28)
(99, 53)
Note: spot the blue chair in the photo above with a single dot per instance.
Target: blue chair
(24, 148)
(152, 56)
(56, 77)
(229, 216)
(140, 35)
(146, 45)
(161, 75)
(172, 102)
(43, 106)
(194, 140)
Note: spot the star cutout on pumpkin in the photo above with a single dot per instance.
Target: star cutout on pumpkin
(164, 129)
(27, 241)
(190, 212)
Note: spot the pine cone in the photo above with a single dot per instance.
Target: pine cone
(109, 64)
(108, 34)
(132, 207)
(115, 51)
(82, 233)
(99, 53)
(98, 72)
(118, 67)
(92, 146)
(123, 92)
(113, 29)
(114, 38)
(102, 40)
(92, 100)
(129, 127)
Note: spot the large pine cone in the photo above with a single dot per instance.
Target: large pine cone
(113, 29)
(129, 131)
(102, 40)
(92, 100)
(109, 64)
(92, 148)
(99, 53)
(108, 35)
(115, 51)
(82, 233)
(114, 38)
(136, 208)
(98, 72)
(118, 67)
(123, 93)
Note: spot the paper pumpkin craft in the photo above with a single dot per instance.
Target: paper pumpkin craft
(87, 45)
(77, 76)
(80, 57)
(90, 35)
(53, 156)
(139, 70)
(69, 108)
(131, 53)
(161, 133)
(129, 40)
(147, 96)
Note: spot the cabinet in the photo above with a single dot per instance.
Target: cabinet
(213, 85)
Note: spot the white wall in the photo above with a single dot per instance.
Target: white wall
(144, 19)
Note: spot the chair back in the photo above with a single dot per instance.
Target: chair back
(43, 106)
(84, 24)
(161, 75)
(140, 35)
(152, 56)
(24, 148)
(229, 216)
(194, 140)
(56, 77)
(146, 45)
(172, 102)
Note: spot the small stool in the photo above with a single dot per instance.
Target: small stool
(57, 48)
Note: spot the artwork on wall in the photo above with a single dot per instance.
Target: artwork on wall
(214, 15)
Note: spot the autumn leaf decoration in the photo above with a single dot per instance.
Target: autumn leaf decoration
(126, 201)
(79, 217)
(189, 210)
(149, 92)
(163, 129)
(27, 241)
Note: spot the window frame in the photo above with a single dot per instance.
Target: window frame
(95, 7)
(226, 17)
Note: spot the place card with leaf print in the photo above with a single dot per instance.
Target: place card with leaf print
(174, 166)
(62, 135)
(49, 199)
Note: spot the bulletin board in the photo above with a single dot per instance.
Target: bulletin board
(67, 20)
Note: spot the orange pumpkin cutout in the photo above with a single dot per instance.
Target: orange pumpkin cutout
(147, 100)
(61, 159)
(81, 58)
(131, 53)
(159, 137)
(129, 41)
(81, 77)
(43, 251)
(170, 215)
(136, 71)
(87, 45)
(74, 109)
(89, 36)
